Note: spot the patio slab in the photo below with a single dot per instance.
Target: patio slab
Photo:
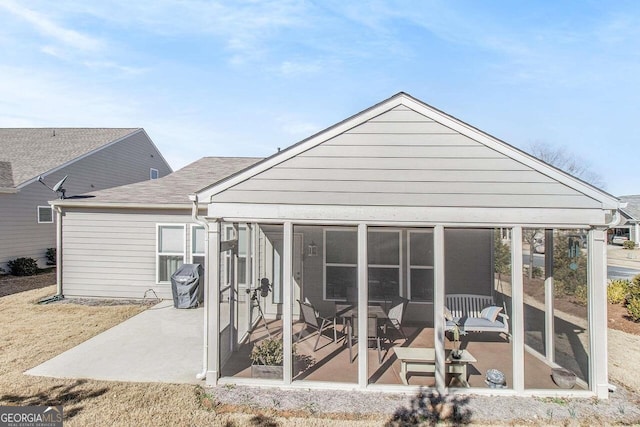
(161, 344)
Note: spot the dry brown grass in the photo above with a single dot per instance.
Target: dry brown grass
(32, 334)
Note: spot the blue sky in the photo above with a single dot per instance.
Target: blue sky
(242, 78)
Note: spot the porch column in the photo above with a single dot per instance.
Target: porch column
(597, 295)
(637, 233)
(438, 305)
(549, 324)
(363, 306)
(517, 302)
(212, 303)
(287, 299)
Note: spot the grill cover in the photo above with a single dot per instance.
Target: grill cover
(186, 285)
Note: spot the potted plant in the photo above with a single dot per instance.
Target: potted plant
(267, 357)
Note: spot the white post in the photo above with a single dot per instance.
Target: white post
(287, 317)
(363, 305)
(438, 305)
(637, 234)
(212, 303)
(517, 308)
(549, 323)
(597, 294)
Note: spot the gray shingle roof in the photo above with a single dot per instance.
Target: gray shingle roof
(6, 176)
(32, 152)
(633, 206)
(172, 189)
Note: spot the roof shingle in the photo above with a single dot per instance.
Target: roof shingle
(172, 189)
(34, 151)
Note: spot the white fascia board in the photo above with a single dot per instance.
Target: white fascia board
(608, 201)
(205, 194)
(85, 155)
(407, 216)
(65, 204)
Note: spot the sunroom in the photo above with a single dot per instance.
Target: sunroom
(469, 264)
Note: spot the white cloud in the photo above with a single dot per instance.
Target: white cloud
(49, 28)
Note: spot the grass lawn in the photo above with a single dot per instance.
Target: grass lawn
(32, 334)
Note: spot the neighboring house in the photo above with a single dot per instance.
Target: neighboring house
(366, 213)
(631, 214)
(93, 159)
(125, 242)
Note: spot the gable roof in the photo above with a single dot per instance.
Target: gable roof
(632, 211)
(173, 189)
(403, 101)
(31, 152)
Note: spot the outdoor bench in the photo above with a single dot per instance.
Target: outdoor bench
(467, 311)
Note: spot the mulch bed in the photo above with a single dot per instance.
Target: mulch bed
(13, 284)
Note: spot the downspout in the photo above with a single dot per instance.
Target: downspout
(205, 345)
(58, 210)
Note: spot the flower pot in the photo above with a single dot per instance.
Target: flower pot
(266, 371)
(563, 378)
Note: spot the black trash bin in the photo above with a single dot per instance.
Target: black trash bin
(186, 285)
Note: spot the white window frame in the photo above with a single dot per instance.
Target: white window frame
(417, 267)
(50, 208)
(192, 234)
(158, 254)
(400, 257)
(333, 264)
(151, 171)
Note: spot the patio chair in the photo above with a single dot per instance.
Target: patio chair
(372, 335)
(396, 315)
(312, 320)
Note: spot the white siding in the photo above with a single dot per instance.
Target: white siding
(112, 253)
(122, 163)
(404, 159)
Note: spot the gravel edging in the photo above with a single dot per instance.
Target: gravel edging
(622, 407)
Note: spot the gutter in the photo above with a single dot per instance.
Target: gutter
(205, 344)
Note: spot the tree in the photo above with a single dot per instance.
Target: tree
(567, 162)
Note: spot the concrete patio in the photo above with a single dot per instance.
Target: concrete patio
(161, 344)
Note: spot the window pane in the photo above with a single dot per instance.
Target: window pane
(383, 283)
(45, 214)
(341, 282)
(171, 239)
(384, 248)
(421, 284)
(168, 264)
(421, 249)
(342, 247)
(197, 242)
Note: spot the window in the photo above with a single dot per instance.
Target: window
(197, 245)
(170, 250)
(45, 215)
(341, 264)
(384, 255)
(420, 261)
(153, 173)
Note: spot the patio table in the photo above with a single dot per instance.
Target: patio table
(347, 312)
(414, 359)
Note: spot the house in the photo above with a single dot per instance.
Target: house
(394, 213)
(125, 242)
(631, 215)
(91, 159)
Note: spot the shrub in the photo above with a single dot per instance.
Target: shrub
(617, 291)
(51, 256)
(628, 244)
(23, 267)
(633, 308)
(580, 294)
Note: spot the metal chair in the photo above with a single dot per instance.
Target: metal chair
(372, 335)
(312, 320)
(396, 315)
